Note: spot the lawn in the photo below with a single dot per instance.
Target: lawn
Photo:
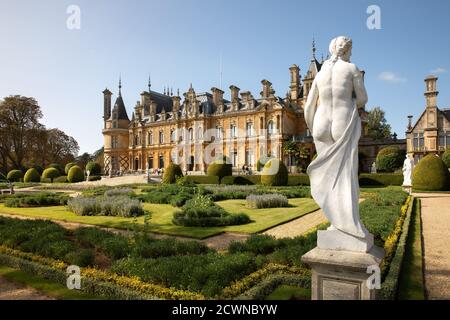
(51, 289)
(161, 220)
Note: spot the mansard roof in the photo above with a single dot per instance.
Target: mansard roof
(163, 102)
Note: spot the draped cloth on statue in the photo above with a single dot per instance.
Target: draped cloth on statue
(334, 179)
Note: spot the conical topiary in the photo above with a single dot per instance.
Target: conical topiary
(431, 174)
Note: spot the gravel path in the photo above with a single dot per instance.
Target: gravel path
(436, 237)
(298, 226)
(13, 291)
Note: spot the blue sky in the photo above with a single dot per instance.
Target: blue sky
(181, 41)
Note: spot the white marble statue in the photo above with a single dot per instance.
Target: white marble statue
(407, 171)
(331, 113)
(374, 168)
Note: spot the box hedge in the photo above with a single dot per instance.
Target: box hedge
(68, 166)
(271, 178)
(219, 169)
(446, 158)
(15, 175)
(389, 159)
(172, 173)
(241, 180)
(431, 174)
(57, 166)
(94, 168)
(298, 180)
(202, 179)
(380, 179)
(51, 173)
(32, 175)
(75, 174)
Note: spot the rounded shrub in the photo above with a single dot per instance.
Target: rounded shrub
(220, 169)
(57, 166)
(51, 173)
(172, 173)
(14, 175)
(75, 174)
(389, 159)
(94, 168)
(274, 173)
(431, 174)
(32, 175)
(68, 166)
(446, 158)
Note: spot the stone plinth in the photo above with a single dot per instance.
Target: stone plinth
(342, 275)
(333, 239)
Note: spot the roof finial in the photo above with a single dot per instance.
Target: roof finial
(164, 90)
(190, 87)
(171, 91)
(120, 85)
(178, 92)
(314, 48)
(149, 83)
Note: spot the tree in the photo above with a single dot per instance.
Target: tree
(19, 119)
(61, 148)
(300, 153)
(377, 125)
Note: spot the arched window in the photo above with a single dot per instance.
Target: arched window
(270, 127)
(173, 136)
(161, 137)
(218, 132)
(191, 134)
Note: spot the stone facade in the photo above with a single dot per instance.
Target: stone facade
(166, 127)
(431, 132)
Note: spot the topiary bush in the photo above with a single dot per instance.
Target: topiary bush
(15, 175)
(431, 174)
(94, 168)
(51, 173)
(274, 173)
(172, 173)
(220, 169)
(446, 158)
(32, 175)
(58, 167)
(68, 166)
(39, 168)
(389, 159)
(75, 174)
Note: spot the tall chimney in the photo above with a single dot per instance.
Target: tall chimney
(267, 87)
(217, 96)
(295, 82)
(234, 94)
(106, 104)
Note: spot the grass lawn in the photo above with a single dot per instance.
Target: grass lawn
(161, 220)
(51, 289)
(285, 292)
(411, 286)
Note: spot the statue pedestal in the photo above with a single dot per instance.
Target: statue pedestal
(343, 275)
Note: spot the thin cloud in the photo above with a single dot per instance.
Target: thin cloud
(392, 77)
(439, 70)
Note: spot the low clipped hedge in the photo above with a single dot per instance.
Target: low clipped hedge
(51, 173)
(15, 175)
(172, 173)
(202, 179)
(75, 174)
(42, 199)
(431, 174)
(380, 179)
(395, 252)
(278, 178)
(242, 180)
(298, 180)
(32, 175)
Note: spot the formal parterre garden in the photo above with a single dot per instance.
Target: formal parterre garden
(139, 265)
